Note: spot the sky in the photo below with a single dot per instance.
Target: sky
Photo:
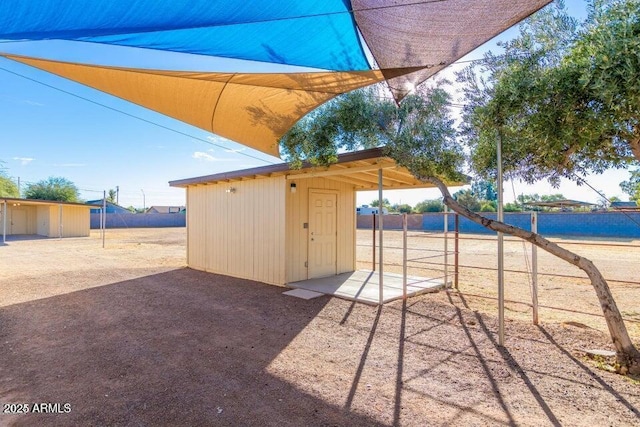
(50, 126)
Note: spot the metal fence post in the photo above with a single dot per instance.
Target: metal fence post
(404, 256)
(534, 269)
(446, 245)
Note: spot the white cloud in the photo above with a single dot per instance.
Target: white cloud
(24, 160)
(238, 150)
(34, 103)
(201, 155)
(216, 138)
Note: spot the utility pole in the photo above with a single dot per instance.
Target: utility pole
(117, 194)
(19, 192)
(144, 202)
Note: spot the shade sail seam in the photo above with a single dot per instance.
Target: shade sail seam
(215, 107)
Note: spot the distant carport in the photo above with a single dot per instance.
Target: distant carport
(48, 218)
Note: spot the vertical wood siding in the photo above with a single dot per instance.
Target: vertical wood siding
(239, 234)
(44, 220)
(297, 211)
(75, 221)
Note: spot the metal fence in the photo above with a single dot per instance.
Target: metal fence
(469, 262)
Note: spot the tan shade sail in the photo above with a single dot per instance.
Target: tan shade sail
(252, 109)
(432, 34)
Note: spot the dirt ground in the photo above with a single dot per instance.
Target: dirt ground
(127, 335)
(560, 299)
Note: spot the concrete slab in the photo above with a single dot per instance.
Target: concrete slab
(303, 293)
(363, 286)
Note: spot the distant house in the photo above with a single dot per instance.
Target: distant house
(625, 206)
(367, 210)
(165, 209)
(111, 207)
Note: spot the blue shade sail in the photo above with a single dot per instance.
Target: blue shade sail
(318, 34)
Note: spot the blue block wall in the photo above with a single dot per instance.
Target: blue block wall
(624, 225)
(132, 220)
(584, 224)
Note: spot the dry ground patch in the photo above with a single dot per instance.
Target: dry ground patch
(561, 299)
(128, 336)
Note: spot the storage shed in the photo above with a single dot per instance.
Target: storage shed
(279, 225)
(44, 217)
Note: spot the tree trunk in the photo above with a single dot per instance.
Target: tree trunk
(628, 357)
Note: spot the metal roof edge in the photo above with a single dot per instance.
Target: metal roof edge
(45, 202)
(371, 153)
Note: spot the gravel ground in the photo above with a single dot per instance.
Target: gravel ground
(127, 335)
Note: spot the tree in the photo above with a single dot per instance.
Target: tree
(403, 208)
(488, 206)
(563, 100)
(484, 190)
(434, 205)
(8, 188)
(558, 108)
(385, 203)
(419, 135)
(53, 188)
(111, 196)
(632, 187)
(467, 199)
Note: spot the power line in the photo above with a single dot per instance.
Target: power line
(131, 115)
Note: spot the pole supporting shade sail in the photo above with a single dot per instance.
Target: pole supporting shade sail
(252, 109)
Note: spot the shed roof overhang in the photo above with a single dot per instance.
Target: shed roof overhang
(358, 168)
(35, 202)
(565, 203)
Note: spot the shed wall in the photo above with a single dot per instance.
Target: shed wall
(28, 213)
(239, 234)
(75, 221)
(297, 212)
(44, 220)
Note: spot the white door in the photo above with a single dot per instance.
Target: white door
(323, 238)
(18, 221)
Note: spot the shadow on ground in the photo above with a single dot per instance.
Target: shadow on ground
(178, 348)
(192, 348)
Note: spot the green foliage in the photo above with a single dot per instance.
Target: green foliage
(136, 210)
(8, 188)
(632, 187)
(385, 203)
(403, 208)
(434, 205)
(488, 206)
(484, 190)
(53, 188)
(418, 134)
(512, 207)
(563, 100)
(467, 199)
(111, 195)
